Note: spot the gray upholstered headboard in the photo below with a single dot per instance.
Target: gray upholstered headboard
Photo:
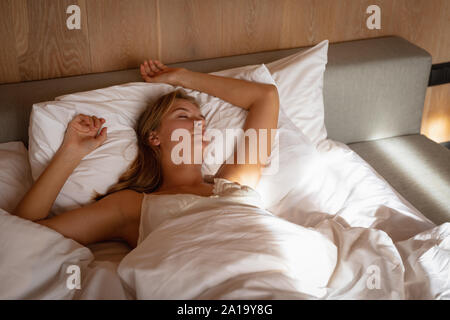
(373, 88)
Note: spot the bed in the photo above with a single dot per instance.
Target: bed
(356, 236)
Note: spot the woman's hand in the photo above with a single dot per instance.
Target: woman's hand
(154, 71)
(81, 135)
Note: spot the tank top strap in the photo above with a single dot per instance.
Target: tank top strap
(222, 185)
(246, 194)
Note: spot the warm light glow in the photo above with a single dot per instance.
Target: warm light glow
(437, 129)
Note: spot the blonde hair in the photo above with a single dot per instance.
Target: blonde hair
(145, 172)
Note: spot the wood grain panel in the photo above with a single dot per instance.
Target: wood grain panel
(421, 23)
(298, 25)
(251, 25)
(346, 20)
(45, 47)
(436, 114)
(122, 33)
(9, 70)
(441, 48)
(340, 20)
(191, 30)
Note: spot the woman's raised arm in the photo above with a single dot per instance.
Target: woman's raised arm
(238, 92)
(261, 100)
(80, 139)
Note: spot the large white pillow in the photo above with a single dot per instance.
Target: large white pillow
(121, 106)
(299, 78)
(15, 174)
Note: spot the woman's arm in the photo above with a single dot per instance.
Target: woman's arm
(114, 216)
(238, 92)
(262, 114)
(37, 202)
(80, 139)
(102, 220)
(261, 101)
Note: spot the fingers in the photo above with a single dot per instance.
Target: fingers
(144, 74)
(102, 135)
(160, 65)
(87, 123)
(80, 122)
(98, 122)
(91, 123)
(147, 69)
(152, 67)
(157, 66)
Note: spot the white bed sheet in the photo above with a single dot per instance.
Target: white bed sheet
(344, 187)
(347, 214)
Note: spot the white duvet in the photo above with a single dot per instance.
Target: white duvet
(345, 235)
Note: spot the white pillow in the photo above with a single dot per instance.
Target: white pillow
(15, 174)
(121, 106)
(299, 78)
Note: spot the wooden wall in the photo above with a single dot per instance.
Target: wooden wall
(119, 34)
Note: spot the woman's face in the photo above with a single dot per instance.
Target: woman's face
(183, 115)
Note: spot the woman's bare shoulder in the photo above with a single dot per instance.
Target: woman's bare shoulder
(130, 202)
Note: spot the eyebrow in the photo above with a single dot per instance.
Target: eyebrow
(181, 108)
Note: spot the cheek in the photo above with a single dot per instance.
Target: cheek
(169, 128)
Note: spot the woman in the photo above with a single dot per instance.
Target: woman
(118, 213)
